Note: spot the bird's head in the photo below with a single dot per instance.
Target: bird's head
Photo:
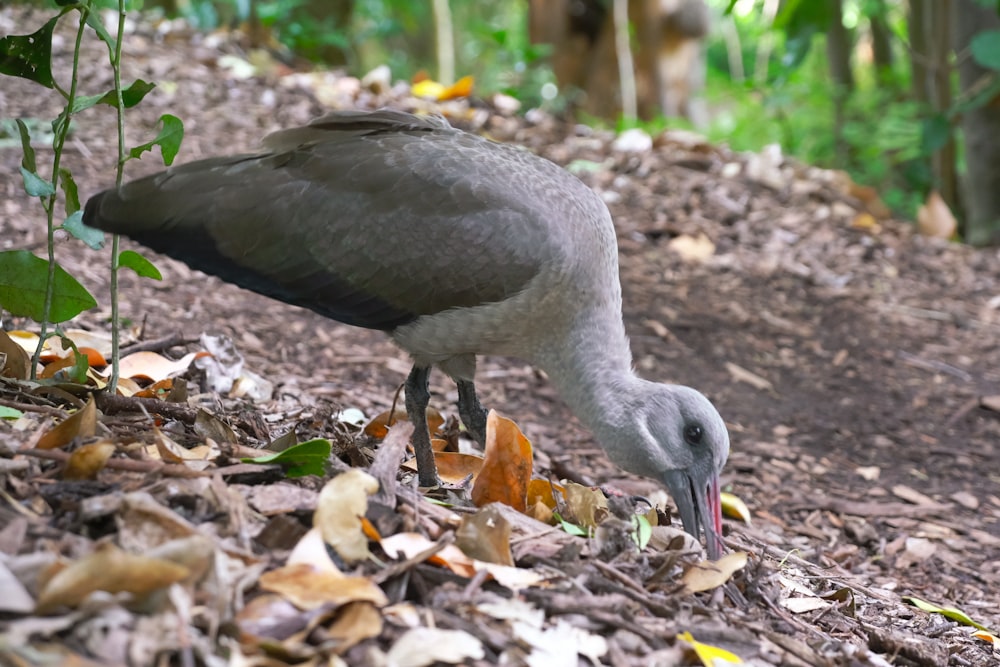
(685, 445)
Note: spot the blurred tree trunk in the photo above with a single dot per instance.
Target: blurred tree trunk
(669, 62)
(838, 51)
(981, 127)
(937, 32)
(881, 42)
(919, 51)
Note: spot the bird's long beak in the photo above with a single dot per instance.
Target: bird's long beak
(700, 507)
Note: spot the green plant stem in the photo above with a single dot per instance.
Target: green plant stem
(116, 62)
(49, 204)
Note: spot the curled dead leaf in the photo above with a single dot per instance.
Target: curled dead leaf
(82, 423)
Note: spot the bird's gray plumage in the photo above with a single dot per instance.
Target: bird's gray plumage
(453, 244)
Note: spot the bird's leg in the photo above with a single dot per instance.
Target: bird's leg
(471, 411)
(418, 396)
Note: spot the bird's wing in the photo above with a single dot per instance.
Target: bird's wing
(372, 220)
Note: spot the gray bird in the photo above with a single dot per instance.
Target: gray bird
(455, 246)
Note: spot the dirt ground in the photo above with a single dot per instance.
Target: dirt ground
(848, 355)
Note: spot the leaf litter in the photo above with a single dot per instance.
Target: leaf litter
(794, 229)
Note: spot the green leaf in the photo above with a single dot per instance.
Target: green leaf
(643, 531)
(28, 160)
(948, 612)
(935, 132)
(9, 413)
(71, 191)
(35, 185)
(29, 56)
(130, 97)
(94, 21)
(142, 266)
(307, 458)
(22, 288)
(169, 140)
(78, 372)
(92, 237)
(985, 49)
(570, 528)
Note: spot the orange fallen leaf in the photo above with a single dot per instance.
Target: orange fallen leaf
(378, 427)
(88, 460)
(154, 366)
(461, 88)
(82, 423)
(506, 465)
(453, 467)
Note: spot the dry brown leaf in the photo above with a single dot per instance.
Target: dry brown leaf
(485, 536)
(453, 467)
(342, 504)
(269, 617)
(108, 569)
(311, 551)
(409, 545)
(83, 423)
(309, 588)
(355, 622)
(934, 218)
(586, 507)
(379, 425)
(159, 389)
(506, 466)
(541, 491)
(708, 574)
(14, 361)
(88, 460)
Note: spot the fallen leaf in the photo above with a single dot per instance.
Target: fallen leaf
(452, 467)
(485, 536)
(935, 219)
(88, 460)
(152, 366)
(14, 360)
(948, 612)
(379, 425)
(803, 605)
(988, 637)
(342, 504)
(560, 644)
(107, 569)
(506, 465)
(709, 655)
(709, 574)
(585, 506)
(733, 506)
(420, 647)
(355, 622)
(309, 588)
(82, 423)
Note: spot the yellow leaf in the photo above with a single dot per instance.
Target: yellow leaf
(988, 637)
(733, 506)
(708, 654)
(428, 89)
(88, 460)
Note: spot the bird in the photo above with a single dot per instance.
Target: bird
(455, 246)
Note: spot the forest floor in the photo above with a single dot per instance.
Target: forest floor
(853, 360)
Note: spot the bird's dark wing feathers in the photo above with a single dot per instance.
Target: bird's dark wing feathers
(370, 219)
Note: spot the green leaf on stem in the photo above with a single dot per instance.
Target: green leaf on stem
(131, 96)
(28, 159)
(29, 56)
(68, 186)
(985, 49)
(35, 185)
(168, 139)
(22, 288)
(142, 266)
(92, 237)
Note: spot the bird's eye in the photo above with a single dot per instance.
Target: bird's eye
(693, 434)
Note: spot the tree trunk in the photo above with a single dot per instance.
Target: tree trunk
(917, 29)
(981, 127)
(881, 42)
(838, 50)
(938, 33)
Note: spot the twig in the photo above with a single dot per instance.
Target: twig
(110, 404)
(158, 344)
(128, 465)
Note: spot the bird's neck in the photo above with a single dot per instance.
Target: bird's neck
(592, 370)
